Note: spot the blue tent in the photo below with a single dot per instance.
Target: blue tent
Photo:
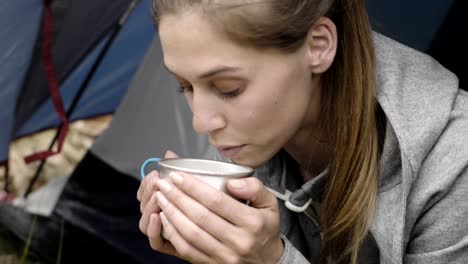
(65, 60)
(95, 49)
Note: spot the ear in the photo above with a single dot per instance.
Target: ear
(322, 41)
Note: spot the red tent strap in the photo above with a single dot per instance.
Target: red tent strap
(6, 197)
(53, 86)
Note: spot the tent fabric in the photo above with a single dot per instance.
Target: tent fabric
(435, 30)
(110, 81)
(101, 201)
(19, 20)
(53, 86)
(73, 42)
(449, 45)
(398, 19)
(55, 171)
(112, 235)
(75, 51)
(77, 244)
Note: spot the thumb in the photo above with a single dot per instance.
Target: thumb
(253, 190)
(170, 155)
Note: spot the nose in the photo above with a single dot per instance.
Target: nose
(207, 114)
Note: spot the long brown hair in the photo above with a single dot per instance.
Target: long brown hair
(348, 103)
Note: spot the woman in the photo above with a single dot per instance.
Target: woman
(363, 138)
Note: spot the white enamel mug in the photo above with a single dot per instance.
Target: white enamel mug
(213, 172)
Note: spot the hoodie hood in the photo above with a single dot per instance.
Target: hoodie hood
(417, 95)
(425, 120)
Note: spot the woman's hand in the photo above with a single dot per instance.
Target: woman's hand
(204, 225)
(146, 195)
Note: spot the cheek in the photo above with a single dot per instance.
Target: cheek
(272, 106)
(260, 118)
(252, 115)
(248, 118)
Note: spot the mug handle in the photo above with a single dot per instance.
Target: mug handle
(143, 166)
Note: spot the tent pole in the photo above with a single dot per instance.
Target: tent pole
(41, 166)
(79, 94)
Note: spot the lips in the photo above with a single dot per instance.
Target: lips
(230, 152)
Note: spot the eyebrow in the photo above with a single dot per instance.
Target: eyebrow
(215, 71)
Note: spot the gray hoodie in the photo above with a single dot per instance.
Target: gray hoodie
(422, 208)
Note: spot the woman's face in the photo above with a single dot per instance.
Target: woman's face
(250, 102)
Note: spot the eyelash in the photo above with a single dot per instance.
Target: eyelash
(225, 96)
(183, 89)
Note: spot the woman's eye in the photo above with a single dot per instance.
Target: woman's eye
(230, 94)
(185, 88)
(227, 89)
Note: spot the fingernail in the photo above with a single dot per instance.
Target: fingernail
(170, 154)
(164, 185)
(238, 184)
(176, 178)
(161, 199)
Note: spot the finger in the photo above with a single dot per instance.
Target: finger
(184, 249)
(141, 188)
(191, 232)
(154, 236)
(253, 190)
(149, 187)
(204, 216)
(216, 201)
(154, 232)
(146, 179)
(170, 155)
(147, 184)
(151, 208)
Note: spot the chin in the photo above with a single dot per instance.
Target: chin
(248, 160)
